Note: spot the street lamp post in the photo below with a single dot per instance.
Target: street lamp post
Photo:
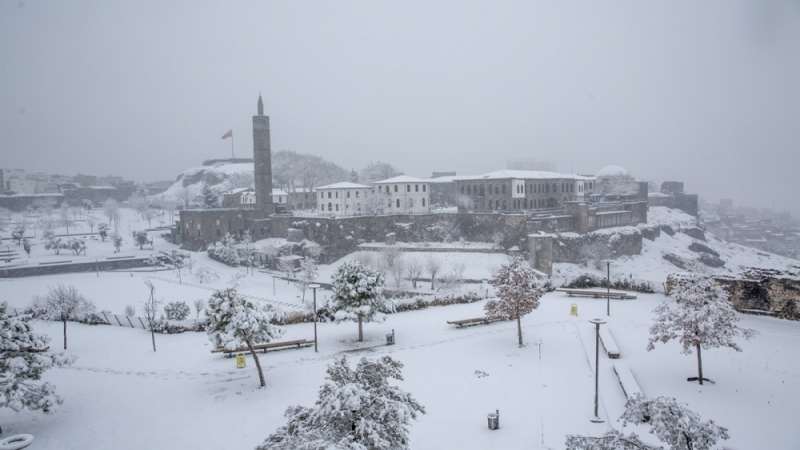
(597, 323)
(315, 287)
(608, 287)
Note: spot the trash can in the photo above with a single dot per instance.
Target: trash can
(390, 338)
(494, 420)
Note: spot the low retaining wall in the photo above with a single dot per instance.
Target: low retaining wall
(88, 266)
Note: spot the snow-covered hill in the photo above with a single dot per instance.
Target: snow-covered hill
(220, 178)
(652, 266)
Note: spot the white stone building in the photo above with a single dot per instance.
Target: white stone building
(342, 199)
(406, 195)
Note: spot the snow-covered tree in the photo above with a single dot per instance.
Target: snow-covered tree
(433, 265)
(308, 273)
(51, 242)
(140, 238)
(65, 215)
(210, 198)
(76, 245)
(151, 311)
(91, 221)
(414, 269)
(355, 410)
(225, 251)
(517, 292)
(111, 210)
(18, 232)
(377, 171)
(234, 322)
(374, 202)
(177, 310)
(116, 238)
(87, 205)
(102, 229)
(62, 303)
(130, 310)
(702, 318)
(673, 423)
(286, 266)
(358, 295)
(27, 247)
(23, 360)
(205, 275)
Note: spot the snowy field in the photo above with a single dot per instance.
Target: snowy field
(122, 395)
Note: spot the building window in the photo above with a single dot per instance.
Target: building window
(462, 189)
(330, 206)
(390, 203)
(481, 190)
(395, 188)
(424, 187)
(504, 204)
(416, 188)
(423, 202)
(218, 233)
(337, 207)
(322, 207)
(348, 194)
(497, 204)
(504, 190)
(554, 188)
(337, 195)
(468, 191)
(357, 193)
(408, 188)
(358, 205)
(398, 202)
(411, 203)
(329, 194)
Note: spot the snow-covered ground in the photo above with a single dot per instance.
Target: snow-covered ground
(122, 395)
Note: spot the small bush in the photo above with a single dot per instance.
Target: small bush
(177, 311)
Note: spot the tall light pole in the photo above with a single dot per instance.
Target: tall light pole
(315, 287)
(608, 287)
(597, 323)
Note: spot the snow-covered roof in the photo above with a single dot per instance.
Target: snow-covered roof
(524, 174)
(447, 179)
(278, 192)
(343, 185)
(238, 190)
(612, 171)
(402, 179)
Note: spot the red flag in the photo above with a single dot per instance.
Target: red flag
(227, 135)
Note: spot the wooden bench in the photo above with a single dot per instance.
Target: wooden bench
(597, 294)
(272, 346)
(475, 321)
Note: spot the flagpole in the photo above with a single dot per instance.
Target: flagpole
(233, 158)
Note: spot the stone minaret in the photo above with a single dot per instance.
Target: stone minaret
(262, 156)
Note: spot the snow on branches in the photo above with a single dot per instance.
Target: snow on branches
(701, 318)
(235, 322)
(22, 359)
(673, 423)
(358, 295)
(517, 292)
(62, 303)
(356, 410)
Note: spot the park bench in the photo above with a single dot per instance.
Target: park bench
(626, 380)
(475, 321)
(597, 294)
(272, 346)
(608, 343)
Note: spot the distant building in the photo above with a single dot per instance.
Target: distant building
(442, 174)
(342, 199)
(85, 180)
(407, 195)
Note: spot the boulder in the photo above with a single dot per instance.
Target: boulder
(668, 229)
(699, 247)
(711, 261)
(676, 260)
(694, 232)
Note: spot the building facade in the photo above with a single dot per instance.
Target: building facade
(509, 190)
(342, 199)
(406, 195)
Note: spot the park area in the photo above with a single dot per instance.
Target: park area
(121, 394)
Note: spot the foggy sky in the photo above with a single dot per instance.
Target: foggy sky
(707, 93)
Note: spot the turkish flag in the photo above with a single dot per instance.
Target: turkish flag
(227, 135)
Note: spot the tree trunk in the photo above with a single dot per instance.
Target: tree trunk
(360, 331)
(519, 330)
(699, 366)
(153, 335)
(258, 364)
(65, 334)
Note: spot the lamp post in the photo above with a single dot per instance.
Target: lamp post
(315, 287)
(608, 287)
(597, 323)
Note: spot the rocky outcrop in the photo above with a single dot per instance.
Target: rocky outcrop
(699, 247)
(694, 232)
(677, 261)
(711, 261)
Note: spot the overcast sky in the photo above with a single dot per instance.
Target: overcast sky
(703, 92)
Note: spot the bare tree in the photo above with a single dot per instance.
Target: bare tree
(286, 266)
(151, 311)
(376, 171)
(90, 221)
(62, 303)
(414, 268)
(517, 293)
(457, 268)
(65, 215)
(433, 265)
(111, 210)
(199, 305)
(308, 273)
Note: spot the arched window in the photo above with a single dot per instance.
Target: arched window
(497, 204)
(337, 206)
(504, 204)
(330, 206)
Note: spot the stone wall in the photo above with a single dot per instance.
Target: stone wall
(20, 202)
(89, 266)
(546, 249)
(774, 294)
(684, 202)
